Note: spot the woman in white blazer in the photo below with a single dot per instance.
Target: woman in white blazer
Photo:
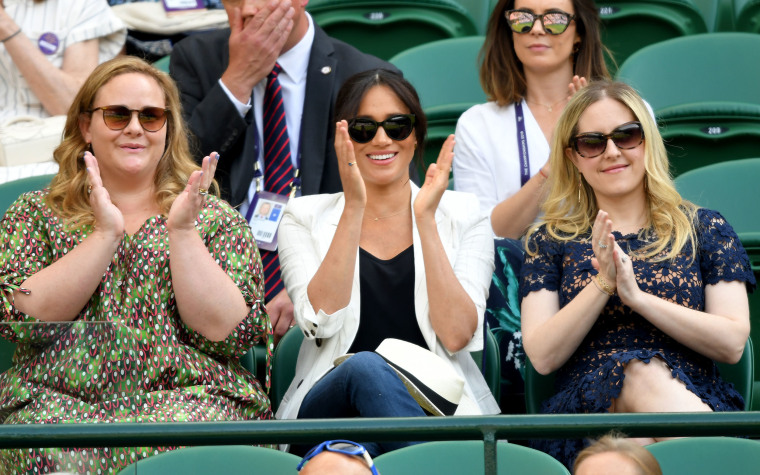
(383, 259)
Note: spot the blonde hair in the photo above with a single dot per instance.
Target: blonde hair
(68, 196)
(645, 462)
(570, 205)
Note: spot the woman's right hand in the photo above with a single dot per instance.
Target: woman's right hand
(108, 218)
(603, 245)
(576, 85)
(354, 191)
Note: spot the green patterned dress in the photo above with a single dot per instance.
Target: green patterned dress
(141, 363)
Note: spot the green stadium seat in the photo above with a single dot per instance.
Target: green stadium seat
(386, 27)
(629, 25)
(707, 455)
(747, 16)
(163, 64)
(729, 187)
(540, 387)
(751, 242)
(706, 100)
(445, 74)
(466, 456)
(216, 459)
(480, 11)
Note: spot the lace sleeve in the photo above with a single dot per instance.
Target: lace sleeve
(544, 269)
(721, 255)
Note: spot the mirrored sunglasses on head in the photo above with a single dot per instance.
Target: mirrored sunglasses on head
(553, 22)
(340, 446)
(592, 144)
(398, 127)
(152, 119)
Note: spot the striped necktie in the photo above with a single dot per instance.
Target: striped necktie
(278, 168)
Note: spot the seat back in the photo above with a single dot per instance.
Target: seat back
(707, 455)
(730, 188)
(445, 91)
(751, 243)
(284, 365)
(466, 456)
(216, 459)
(747, 15)
(489, 362)
(386, 27)
(715, 118)
(630, 25)
(539, 387)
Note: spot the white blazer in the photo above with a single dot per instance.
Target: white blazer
(307, 229)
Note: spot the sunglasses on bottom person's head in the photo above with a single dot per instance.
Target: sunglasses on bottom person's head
(398, 127)
(345, 447)
(592, 144)
(118, 117)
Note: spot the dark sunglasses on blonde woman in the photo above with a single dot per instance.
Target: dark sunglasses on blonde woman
(118, 117)
(553, 22)
(592, 144)
(398, 127)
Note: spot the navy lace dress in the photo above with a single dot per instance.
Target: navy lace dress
(593, 375)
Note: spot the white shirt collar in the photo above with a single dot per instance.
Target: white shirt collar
(295, 61)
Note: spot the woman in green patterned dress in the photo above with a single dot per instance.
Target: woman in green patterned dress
(130, 290)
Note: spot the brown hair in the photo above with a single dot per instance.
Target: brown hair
(68, 196)
(501, 73)
(356, 87)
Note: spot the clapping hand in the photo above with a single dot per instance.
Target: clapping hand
(354, 190)
(436, 181)
(603, 244)
(575, 86)
(108, 218)
(188, 204)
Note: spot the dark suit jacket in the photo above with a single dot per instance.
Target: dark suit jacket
(198, 62)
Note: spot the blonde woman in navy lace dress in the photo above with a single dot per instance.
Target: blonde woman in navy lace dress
(629, 292)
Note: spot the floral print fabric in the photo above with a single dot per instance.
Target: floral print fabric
(593, 375)
(128, 356)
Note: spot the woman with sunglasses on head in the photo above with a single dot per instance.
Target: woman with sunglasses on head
(536, 53)
(154, 282)
(383, 259)
(630, 293)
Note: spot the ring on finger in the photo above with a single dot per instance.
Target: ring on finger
(202, 191)
(623, 258)
(89, 189)
(602, 245)
(351, 164)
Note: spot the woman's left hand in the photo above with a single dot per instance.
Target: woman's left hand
(187, 206)
(576, 85)
(436, 181)
(627, 287)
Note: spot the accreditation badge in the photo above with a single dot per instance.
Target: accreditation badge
(266, 217)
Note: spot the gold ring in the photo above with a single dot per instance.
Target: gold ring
(89, 189)
(351, 164)
(202, 191)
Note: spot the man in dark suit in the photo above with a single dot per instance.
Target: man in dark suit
(222, 77)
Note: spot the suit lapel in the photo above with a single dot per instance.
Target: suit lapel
(317, 110)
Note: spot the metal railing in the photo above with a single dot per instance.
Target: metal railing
(311, 431)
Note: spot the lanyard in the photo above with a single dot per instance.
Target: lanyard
(522, 145)
(258, 176)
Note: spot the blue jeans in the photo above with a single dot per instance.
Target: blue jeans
(362, 386)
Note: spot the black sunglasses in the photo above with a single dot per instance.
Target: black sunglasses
(592, 144)
(398, 127)
(118, 117)
(553, 23)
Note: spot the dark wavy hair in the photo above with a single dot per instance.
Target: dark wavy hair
(356, 87)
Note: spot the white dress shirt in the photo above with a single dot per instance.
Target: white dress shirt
(294, 63)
